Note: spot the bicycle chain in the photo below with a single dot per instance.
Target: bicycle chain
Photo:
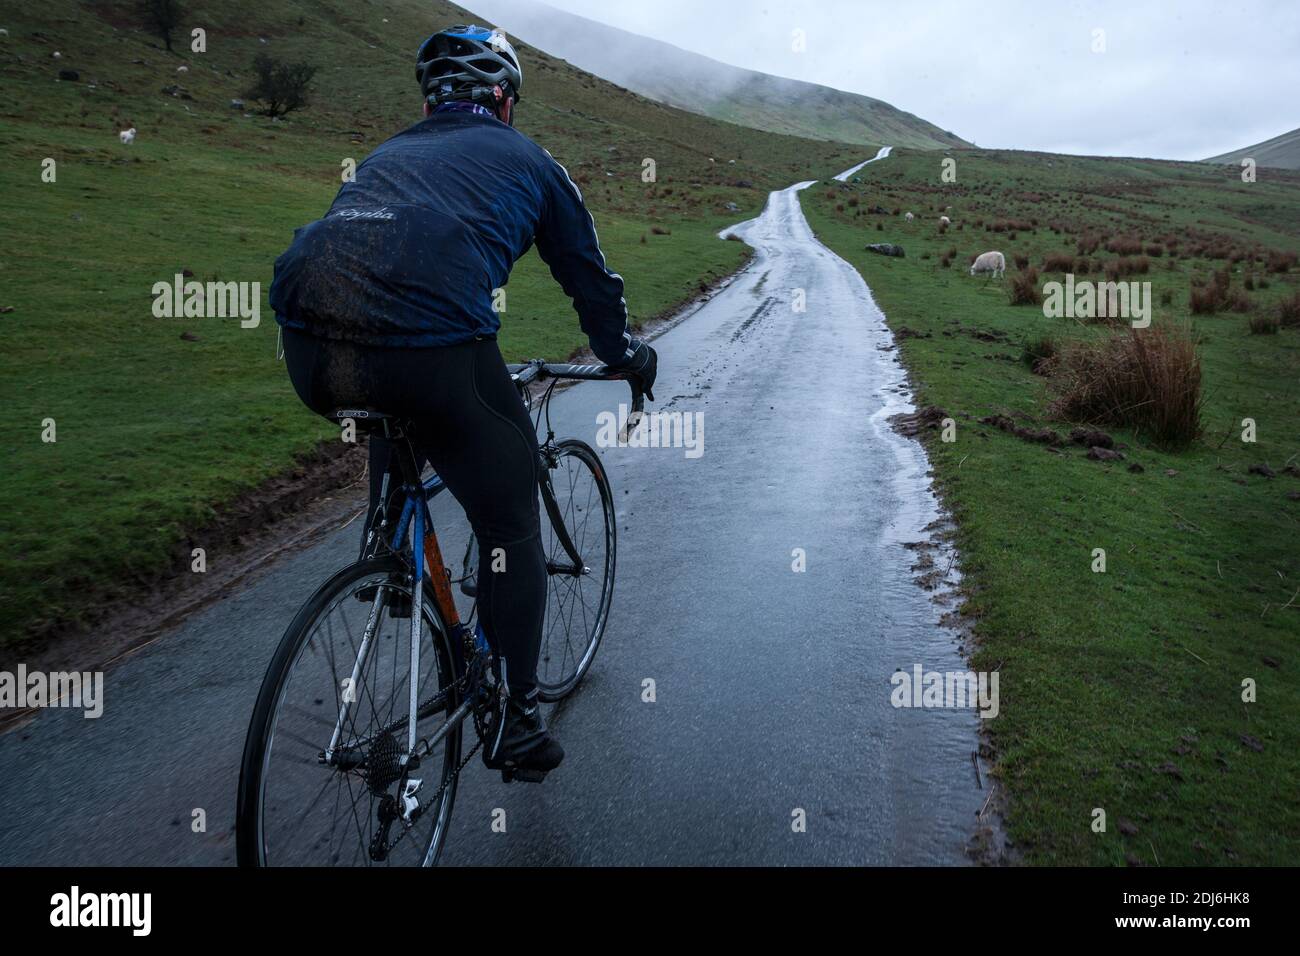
(433, 801)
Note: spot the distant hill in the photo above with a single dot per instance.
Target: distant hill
(1280, 152)
(694, 82)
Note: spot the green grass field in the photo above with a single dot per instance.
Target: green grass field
(154, 432)
(1119, 690)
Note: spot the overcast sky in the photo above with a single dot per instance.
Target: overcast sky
(1178, 79)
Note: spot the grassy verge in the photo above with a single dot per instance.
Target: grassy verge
(1120, 690)
(155, 431)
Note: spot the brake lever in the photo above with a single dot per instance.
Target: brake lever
(638, 408)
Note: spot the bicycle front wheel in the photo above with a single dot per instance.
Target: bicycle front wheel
(576, 496)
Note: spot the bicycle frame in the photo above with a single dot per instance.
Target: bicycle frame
(425, 556)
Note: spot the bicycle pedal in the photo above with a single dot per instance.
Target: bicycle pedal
(526, 776)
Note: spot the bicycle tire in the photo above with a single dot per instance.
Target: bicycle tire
(555, 687)
(258, 746)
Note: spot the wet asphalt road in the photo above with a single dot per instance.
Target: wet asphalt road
(772, 685)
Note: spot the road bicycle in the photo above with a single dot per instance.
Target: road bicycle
(354, 749)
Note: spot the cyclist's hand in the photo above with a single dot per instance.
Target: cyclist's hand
(644, 363)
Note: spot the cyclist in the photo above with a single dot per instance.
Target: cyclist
(387, 303)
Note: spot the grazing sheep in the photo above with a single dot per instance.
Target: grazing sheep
(994, 262)
(945, 221)
(908, 217)
(56, 55)
(127, 136)
(182, 69)
(3, 32)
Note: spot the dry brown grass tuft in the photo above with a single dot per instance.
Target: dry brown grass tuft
(1145, 379)
(1024, 288)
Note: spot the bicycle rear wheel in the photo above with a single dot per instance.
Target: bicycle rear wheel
(575, 494)
(296, 807)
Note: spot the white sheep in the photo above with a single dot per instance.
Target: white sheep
(945, 221)
(182, 69)
(127, 136)
(908, 217)
(993, 262)
(56, 55)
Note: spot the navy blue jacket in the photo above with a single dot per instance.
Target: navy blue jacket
(410, 252)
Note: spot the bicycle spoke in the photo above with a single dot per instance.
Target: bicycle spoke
(302, 818)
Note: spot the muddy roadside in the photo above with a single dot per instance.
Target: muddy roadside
(937, 569)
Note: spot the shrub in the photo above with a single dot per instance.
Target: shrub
(281, 86)
(1021, 261)
(1039, 354)
(1264, 325)
(1204, 301)
(1145, 379)
(1059, 262)
(161, 17)
(1288, 311)
(1127, 266)
(1024, 288)
(660, 231)
(1124, 246)
(1236, 301)
(1280, 261)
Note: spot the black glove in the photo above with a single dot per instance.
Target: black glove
(644, 363)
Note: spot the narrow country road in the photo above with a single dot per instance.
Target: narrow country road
(772, 685)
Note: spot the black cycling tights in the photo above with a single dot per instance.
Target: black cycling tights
(472, 426)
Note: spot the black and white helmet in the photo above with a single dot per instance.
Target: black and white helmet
(467, 63)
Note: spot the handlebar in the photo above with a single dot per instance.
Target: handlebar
(539, 371)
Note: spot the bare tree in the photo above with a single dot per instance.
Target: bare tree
(281, 86)
(161, 17)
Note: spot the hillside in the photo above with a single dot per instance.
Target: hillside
(681, 78)
(160, 422)
(1280, 152)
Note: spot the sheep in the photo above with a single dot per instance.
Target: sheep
(127, 136)
(182, 69)
(908, 217)
(945, 221)
(992, 262)
(56, 55)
